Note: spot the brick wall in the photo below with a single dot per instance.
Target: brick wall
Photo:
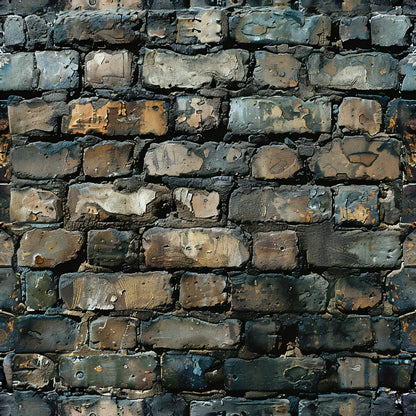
(207, 210)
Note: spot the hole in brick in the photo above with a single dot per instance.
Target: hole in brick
(79, 375)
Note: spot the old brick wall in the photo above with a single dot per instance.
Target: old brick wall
(207, 208)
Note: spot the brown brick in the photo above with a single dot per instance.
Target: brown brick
(275, 250)
(113, 333)
(196, 203)
(167, 69)
(197, 114)
(276, 293)
(48, 248)
(92, 202)
(109, 69)
(202, 290)
(188, 333)
(304, 204)
(6, 249)
(108, 159)
(4, 203)
(41, 160)
(357, 373)
(5, 166)
(194, 247)
(358, 158)
(116, 118)
(409, 250)
(176, 158)
(34, 205)
(360, 115)
(116, 291)
(275, 162)
(276, 70)
(112, 370)
(35, 116)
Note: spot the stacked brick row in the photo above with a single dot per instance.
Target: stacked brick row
(207, 210)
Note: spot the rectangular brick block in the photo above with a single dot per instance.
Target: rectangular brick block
(323, 333)
(253, 115)
(41, 289)
(14, 32)
(354, 28)
(363, 71)
(116, 118)
(276, 293)
(387, 334)
(86, 404)
(174, 158)
(302, 204)
(111, 370)
(167, 69)
(10, 291)
(402, 290)
(395, 374)
(264, 336)
(26, 403)
(333, 404)
(409, 250)
(5, 191)
(390, 30)
(17, 71)
(278, 26)
(188, 333)
(98, 27)
(119, 291)
(408, 214)
(41, 248)
(273, 374)
(194, 248)
(357, 158)
(196, 203)
(109, 69)
(7, 249)
(357, 373)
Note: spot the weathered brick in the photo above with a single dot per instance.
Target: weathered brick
(4, 205)
(5, 166)
(409, 250)
(93, 202)
(273, 374)
(103, 4)
(276, 293)
(26, 403)
(48, 248)
(7, 249)
(202, 290)
(317, 333)
(395, 374)
(327, 248)
(41, 289)
(402, 290)
(408, 332)
(408, 204)
(354, 28)
(87, 406)
(116, 291)
(10, 293)
(37, 31)
(167, 403)
(251, 115)
(333, 404)
(356, 204)
(35, 116)
(29, 371)
(363, 71)
(167, 69)
(113, 333)
(238, 406)
(109, 69)
(197, 114)
(357, 158)
(357, 373)
(276, 70)
(108, 159)
(409, 402)
(329, 6)
(108, 248)
(34, 205)
(14, 31)
(275, 162)
(279, 27)
(303, 204)
(386, 404)
(50, 333)
(263, 336)
(201, 26)
(17, 71)
(188, 333)
(194, 248)
(387, 333)
(41, 160)
(7, 334)
(390, 30)
(190, 159)
(275, 250)
(196, 203)
(116, 118)
(357, 293)
(110, 370)
(161, 28)
(57, 69)
(360, 115)
(98, 27)
(186, 371)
